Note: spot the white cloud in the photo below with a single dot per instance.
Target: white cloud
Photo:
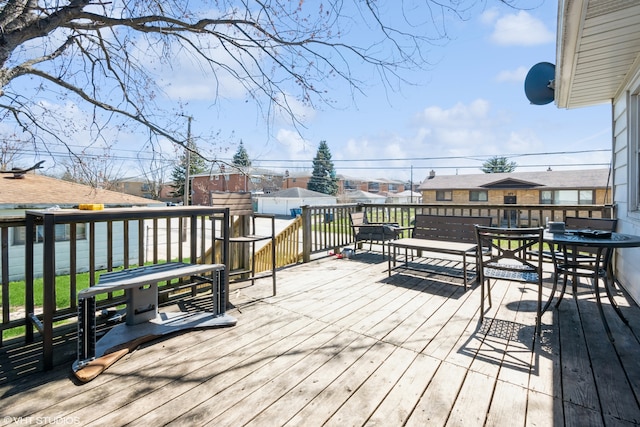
(188, 79)
(521, 29)
(523, 141)
(488, 17)
(297, 147)
(512, 76)
(287, 105)
(459, 115)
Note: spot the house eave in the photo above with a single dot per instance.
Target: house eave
(597, 50)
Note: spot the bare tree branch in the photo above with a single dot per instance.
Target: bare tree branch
(102, 55)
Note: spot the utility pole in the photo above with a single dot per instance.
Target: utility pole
(187, 171)
(411, 185)
(188, 168)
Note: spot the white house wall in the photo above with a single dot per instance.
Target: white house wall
(283, 205)
(627, 260)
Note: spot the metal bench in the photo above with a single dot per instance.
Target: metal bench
(452, 235)
(143, 320)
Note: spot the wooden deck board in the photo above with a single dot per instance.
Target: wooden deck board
(435, 405)
(277, 389)
(344, 344)
(329, 400)
(306, 389)
(399, 403)
(363, 402)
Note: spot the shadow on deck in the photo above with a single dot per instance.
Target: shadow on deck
(343, 344)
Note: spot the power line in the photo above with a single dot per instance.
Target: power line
(437, 167)
(290, 164)
(474, 157)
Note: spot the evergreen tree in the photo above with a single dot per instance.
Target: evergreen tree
(323, 179)
(196, 165)
(241, 158)
(498, 164)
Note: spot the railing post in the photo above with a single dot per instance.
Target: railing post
(306, 233)
(49, 285)
(28, 276)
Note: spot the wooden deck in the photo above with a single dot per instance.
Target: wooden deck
(343, 344)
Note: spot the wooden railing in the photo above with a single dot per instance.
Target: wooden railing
(119, 240)
(326, 228)
(44, 246)
(288, 248)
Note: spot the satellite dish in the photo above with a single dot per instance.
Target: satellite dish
(539, 84)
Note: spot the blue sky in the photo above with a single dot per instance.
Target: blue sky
(470, 106)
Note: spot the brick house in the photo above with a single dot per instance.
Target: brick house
(571, 187)
(136, 187)
(349, 183)
(253, 180)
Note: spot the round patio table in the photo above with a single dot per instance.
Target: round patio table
(604, 245)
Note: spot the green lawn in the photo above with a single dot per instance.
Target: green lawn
(17, 294)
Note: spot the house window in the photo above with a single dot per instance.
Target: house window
(444, 195)
(478, 196)
(567, 197)
(374, 187)
(62, 233)
(634, 151)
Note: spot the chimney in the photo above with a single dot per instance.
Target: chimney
(432, 174)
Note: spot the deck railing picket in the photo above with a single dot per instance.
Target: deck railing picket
(318, 230)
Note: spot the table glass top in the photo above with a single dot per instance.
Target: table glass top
(574, 236)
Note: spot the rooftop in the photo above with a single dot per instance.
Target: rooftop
(586, 178)
(39, 191)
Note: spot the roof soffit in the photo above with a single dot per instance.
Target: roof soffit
(597, 50)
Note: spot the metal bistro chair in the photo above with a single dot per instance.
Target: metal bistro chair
(580, 261)
(503, 255)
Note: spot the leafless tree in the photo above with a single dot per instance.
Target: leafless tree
(95, 168)
(155, 171)
(9, 153)
(107, 56)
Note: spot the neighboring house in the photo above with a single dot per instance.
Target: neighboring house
(232, 180)
(598, 61)
(571, 187)
(167, 195)
(37, 192)
(135, 187)
(348, 183)
(296, 179)
(360, 196)
(284, 201)
(369, 185)
(405, 197)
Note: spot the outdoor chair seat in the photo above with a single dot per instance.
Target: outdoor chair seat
(506, 258)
